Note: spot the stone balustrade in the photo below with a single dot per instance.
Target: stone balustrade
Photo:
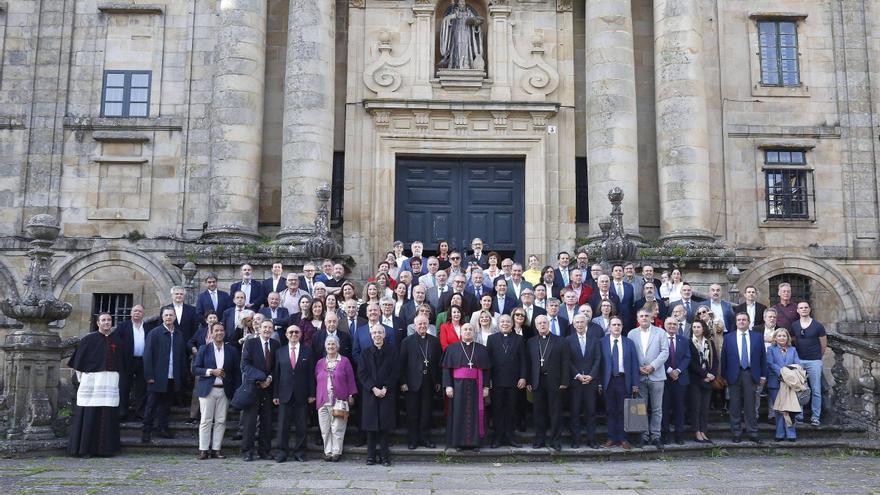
(854, 396)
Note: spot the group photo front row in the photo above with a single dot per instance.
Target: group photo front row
(478, 348)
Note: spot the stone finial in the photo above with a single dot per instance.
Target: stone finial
(189, 284)
(321, 244)
(617, 246)
(733, 277)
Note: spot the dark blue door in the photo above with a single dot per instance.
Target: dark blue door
(458, 199)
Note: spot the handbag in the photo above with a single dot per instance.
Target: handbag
(719, 383)
(635, 415)
(805, 395)
(340, 409)
(245, 395)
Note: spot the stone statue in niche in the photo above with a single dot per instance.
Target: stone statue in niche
(461, 38)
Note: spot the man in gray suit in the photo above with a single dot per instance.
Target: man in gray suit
(653, 349)
(434, 293)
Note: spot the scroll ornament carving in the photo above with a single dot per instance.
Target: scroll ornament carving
(564, 6)
(540, 78)
(382, 76)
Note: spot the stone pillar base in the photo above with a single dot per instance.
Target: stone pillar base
(230, 234)
(688, 238)
(293, 235)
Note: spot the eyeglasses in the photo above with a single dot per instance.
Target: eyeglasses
(455, 258)
(294, 332)
(518, 315)
(702, 311)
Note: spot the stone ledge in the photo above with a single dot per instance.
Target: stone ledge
(120, 136)
(753, 131)
(81, 124)
(372, 105)
(11, 121)
(130, 8)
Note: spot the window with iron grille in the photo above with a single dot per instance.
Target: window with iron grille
(800, 288)
(126, 93)
(118, 305)
(778, 51)
(788, 185)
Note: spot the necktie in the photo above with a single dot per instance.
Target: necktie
(687, 307)
(237, 316)
(744, 355)
(293, 357)
(478, 292)
(553, 326)
(433, 281)
(615, 358)
(583, 346)
(500, 305)
(351, 328)
(214, 299)
(268, 355)
(672, 352)
(619, 289)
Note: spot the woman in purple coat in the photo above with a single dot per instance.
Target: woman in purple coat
(336, 389)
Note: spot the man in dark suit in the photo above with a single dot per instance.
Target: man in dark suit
(715, 302)
(215, 386)
(232, 316)
(603, 294)
(420, 381)
(435, 293)
(584, 372)
(744, 366)
(548, 359)
(752, 307)
(625, 295)
(307, 280)
(468, 300)
(331, 322)
(362, 339)
(212, 299)
(293, 393)
(690, 304)
(558, 324)
(186, 318)
(562, 273)
(351, 322)
(503, 303)
(620, 377)
(410, 307)
(477, 257)
(133, 334)
(386, 305)
(275, 283)
(649, 294)
(527, 298)
(257, 364)
(164, 364)
(677, 381)
(276, 313)
(255, 296)
(507, 353)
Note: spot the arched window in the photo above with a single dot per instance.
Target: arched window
(801, 287)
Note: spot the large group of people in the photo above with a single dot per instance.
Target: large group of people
(482, 340)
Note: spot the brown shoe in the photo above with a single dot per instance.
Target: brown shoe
(203, 455)
(608, 444)
(216, 454)
(625, 445)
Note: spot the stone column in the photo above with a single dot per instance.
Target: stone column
(612, 137)
(424, 41)
(682, 123)
(307, 150)
(499, 54)
(237, 125)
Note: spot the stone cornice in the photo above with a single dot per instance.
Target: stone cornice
(130, 8)
(124, 124)
(478, 106)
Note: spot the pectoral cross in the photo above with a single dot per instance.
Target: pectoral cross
(542, 362)
(426, 361)
(470, 365)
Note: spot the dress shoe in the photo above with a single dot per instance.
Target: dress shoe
(166, 433)
(756, 440)
(265, 456)
(146, 438)
(778, 439)
(625, 445)
(593, 445)
(494, 445)
(216, 454)
(429, 444)
(281, 459)
(659, 444)
(737, 439)
(556, 446)
(476, 449)
(792, 440)
(575, 445)
(334, 458)
(386, 462)
(679, 441)
(706, 440)
(236, 437)
(203, 455)
(514, 444)
(299, 458)
(608, 444)
(248, 457)
(412, 446)
(538, 445)
(370, 461)
(192, 421)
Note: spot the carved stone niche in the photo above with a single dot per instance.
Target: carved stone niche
(472, 77)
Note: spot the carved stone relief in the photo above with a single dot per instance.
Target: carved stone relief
(383, 76)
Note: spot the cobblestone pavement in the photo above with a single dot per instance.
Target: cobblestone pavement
(179, 474)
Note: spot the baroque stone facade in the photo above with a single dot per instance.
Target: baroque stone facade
(249, 103)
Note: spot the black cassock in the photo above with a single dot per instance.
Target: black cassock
(95, 430)
(465, 421)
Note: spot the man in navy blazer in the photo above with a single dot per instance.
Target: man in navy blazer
(293, 393)
(133, 334)
(164, 364)
(585, 358)
(185, 317)
(212, 299)
(230, 315)
(361, 340)
(562, 273)
(745, 368)
(275, 283)
(275, 312)
(255, 295)
(625, 294)
(604, 293)
(503, 303)
(215, 386)
(559, 325)
(257, 362)
(620, 378)
(677, 381)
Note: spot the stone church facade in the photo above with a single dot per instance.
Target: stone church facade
(160, 132)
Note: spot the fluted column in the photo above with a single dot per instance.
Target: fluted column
(682, 123)
(612, 136)
(307, 150)
(237, 119)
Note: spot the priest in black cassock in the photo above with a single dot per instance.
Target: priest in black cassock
(99, 361)
(466, 379)
(548, 358)
(508, 356)
(420, 380)
(378, 374)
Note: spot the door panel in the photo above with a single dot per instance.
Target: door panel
(459, 199)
